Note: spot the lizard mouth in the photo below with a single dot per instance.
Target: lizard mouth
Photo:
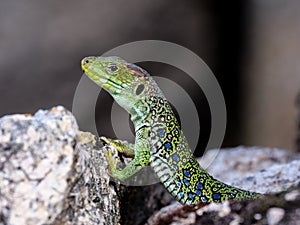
(98, 76)
(87, 66)
(85, 62)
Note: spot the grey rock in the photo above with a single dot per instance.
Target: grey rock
(271, 209)
(265, 170)
(94, 200)
(37, 157)
(45, 179)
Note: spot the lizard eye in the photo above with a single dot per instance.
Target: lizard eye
(139, 89)
(112, 68)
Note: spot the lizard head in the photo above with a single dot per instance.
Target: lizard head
(126, 82)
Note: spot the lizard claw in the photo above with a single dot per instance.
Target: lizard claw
(112, 162)
(117, 144)
(105, 140)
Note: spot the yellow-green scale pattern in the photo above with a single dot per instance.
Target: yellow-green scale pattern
(165, 147)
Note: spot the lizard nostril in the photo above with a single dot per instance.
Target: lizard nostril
(86, 61)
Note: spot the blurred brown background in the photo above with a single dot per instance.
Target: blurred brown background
(252, 47)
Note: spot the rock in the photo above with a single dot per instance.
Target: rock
(45, 180)
(275, 209)
(94, 200)
(275, 215)
(265, 170)
(246, 160)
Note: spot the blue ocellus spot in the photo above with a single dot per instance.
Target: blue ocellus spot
(180, 194)
(187, 173)
(191, 196)
(175, 158)
(178, 184)
(198, 192)
(186, 182)
(161, 133)
(168, 145)
(216, 196)
(200, 186)
(203, 199)
(175, 167)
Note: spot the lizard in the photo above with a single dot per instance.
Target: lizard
(159, 140)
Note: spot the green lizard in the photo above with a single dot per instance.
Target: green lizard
(159, 141)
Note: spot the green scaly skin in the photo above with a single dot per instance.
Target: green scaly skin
(159, 141)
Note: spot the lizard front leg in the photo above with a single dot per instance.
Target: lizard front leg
(140, 160)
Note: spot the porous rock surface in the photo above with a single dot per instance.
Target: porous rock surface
(46, 177)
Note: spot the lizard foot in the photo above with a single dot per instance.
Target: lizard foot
(112, 162)
(113, 171)
(121, 146)
(105, 140)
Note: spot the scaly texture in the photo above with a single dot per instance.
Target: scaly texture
(159, 141)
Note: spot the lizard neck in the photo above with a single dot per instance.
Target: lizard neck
(140, 114)
(155, 113)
